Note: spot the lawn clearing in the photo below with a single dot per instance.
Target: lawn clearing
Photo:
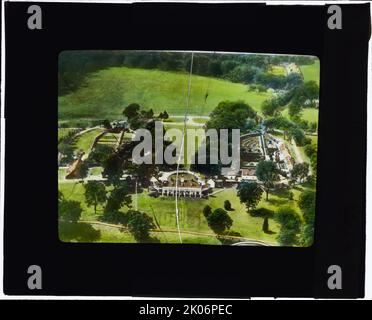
(85, 141)
(308, 114)
(311, 72)
(277, 70)
(107, 91)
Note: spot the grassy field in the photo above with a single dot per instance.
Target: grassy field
(84, 142)
(277, 70)
(108, 91)
(62, 132)
(311, 72)
(191, 215)
(308, 114)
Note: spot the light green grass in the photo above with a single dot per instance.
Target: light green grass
(308, 114)
(63, 132)
(277, 70)
(84, 142)
(311, 72)
(107, 91)
(191, 217)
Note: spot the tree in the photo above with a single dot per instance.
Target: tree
(227, 205)
(219, 221)
(310, 150)
(250, 194)
(139, 225)
(113, 168)
(67, 151)
(231, 115)
(131, 111)
(100, 154)
(118, 197)
(207, 211)
(300, 170)
(165, 115)
(60, 197)
(267, 173)
(294, 111)
(95, 194)
(106, 124)
(69, 210)
(270, 107)
(290, 223)
(307, 204)
(298, 135)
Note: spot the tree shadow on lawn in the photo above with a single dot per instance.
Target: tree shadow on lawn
(277, 202)
(262, 213)
(281, 193)
(227, 241)
(78, 231)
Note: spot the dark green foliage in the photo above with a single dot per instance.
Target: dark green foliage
(219, 221)
(80, 232)
(131, 111)
(69, 210)
(231, 115)
(290, 223)
(139, 225)
(116, 217)
(227, 205)
(279, 123)
(290, 195)
(307, 205)
(207, 211)
(270, 107)
(113, 168)
(310, 150)
(100, 154)
(106, 124)
(300, 171)
(118, 197)
(267, 173)
(243, 74)
(294, 111)
(299, 136)
(83, 170)
(307, 91)
(313, 126)
(265, 225)
(278, 81)
(262, 212)
(95, 194)
(68, 152)
(164, 115)
(250, 194)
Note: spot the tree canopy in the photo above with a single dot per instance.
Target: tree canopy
(219, 221)
(250, 194)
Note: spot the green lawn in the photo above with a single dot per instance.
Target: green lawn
(308, 114)
(277, 70)
(311, 72)
(84, 142)
(62, 132)
(107, 91)
(191, 217)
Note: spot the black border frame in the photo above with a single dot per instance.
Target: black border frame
(30, 226)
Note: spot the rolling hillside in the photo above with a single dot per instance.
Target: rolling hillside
(108, 91)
